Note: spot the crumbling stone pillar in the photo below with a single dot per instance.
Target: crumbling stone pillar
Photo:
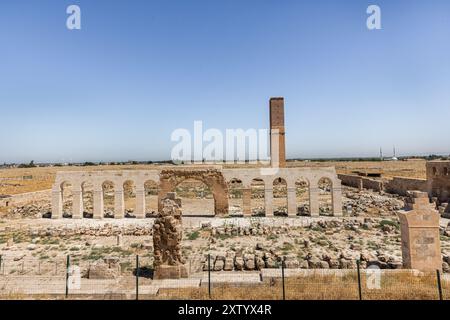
(119, 203)
(268, 202)
(98, 202)
(419, 224)
(246, 201)
(140, 202)
(77, 206)
(292, 202)
(314, 201)
(167, 235)
(337, 199)
(57, 202)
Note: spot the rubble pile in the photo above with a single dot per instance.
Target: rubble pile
(361, 202)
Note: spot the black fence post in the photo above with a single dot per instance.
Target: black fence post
(209, 275)
(282, 278)
(67, 275)
(137, 277)
(438, 275)
(359, 279)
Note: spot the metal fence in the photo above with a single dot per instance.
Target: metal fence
(132, 278)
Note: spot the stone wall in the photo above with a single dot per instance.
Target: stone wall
(372, 184)
(350, 180)
(401, 185)
(24, 198)
(360, 182)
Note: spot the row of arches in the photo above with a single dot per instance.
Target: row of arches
(198, 198)
(279, 195)
(127, 190)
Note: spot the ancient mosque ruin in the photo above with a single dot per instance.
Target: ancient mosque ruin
(215, 177)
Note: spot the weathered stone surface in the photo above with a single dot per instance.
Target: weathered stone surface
(419, 222)
(167, 234)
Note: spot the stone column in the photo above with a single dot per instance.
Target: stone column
(268, 199)
(314, 201)
(140, 202)
(119, 203)
(98, 202)
(57, 202)
(292, 203)
(77, 207)
(337, 199)
(419, 225)
(246, 201)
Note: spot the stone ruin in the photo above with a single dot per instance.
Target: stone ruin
(167, 235)
(419, 224)
(215, 177)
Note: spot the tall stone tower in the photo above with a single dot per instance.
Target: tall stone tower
(277, 133)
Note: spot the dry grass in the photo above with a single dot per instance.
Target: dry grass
(409, 169)
(402, 286)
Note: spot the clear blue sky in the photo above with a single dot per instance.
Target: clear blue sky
(137, 70)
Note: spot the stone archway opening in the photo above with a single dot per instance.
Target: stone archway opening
(235, 197)
(212, 178)
(258, 197)
(302, 197)
(280, 201)
(151, 190)
(67, 199)
(325, 197)
(108, 199)
(129, 196)
(87, 190)
(196, 197)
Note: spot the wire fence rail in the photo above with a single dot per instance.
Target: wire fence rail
(27, 278)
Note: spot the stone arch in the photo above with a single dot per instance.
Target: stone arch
(302, 196)
(108, 189)
(151, 192)
(87, 192)
(257, 202)
(213, 178)
(66, 188)
(235, 196)
(280, 196)
(129, 196)
(196, 197)
(326, 204)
